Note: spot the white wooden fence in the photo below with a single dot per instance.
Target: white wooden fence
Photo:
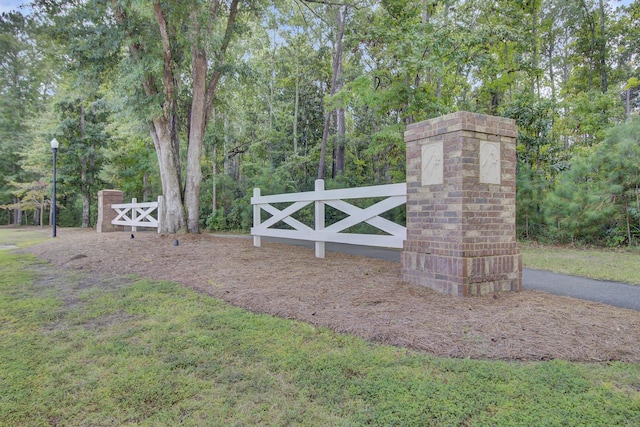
(394, 195)
(137, 214)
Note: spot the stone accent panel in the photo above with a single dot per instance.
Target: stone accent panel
(461, 232)
(106, 198)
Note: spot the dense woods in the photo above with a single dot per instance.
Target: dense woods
(202, 101)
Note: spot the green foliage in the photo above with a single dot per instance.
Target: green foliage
(596, 201)
(589, 115)
(86, 351)
(216, 221)
(131, 166)
(577, 209)
(530, 191)
(22, 76)
(619, 156)
(82, 135)
(565, 71)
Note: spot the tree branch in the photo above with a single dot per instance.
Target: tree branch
(169, 86)
(213, 14)
(213, 83)
(333, 3)
(149, 84)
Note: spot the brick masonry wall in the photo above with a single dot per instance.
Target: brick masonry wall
(106, 198)
(461, 235)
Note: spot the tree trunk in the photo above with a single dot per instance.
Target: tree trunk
(336, 84)
(340, 142)
(628, 105)
(552, 76)
(592, 43)
(340, 116)
(173, 215)
(226, 144)
(323, 146)
(83, 190)
(603, 49)
(535, 84)
(296, 105)
(196, 137)
(17, 214)
(214, 173)
(626, 209)
(146, 188)
(86, 209)
(84, 181)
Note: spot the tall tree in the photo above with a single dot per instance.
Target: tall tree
(84, 51)
(190, 39)
(82, 137)
(21, 77)
(340, 15)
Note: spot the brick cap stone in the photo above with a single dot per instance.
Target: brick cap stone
(462, 121)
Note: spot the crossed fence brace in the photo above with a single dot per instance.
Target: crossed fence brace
(135, 214)
(395, 195)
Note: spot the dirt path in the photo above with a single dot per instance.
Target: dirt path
(360, 296)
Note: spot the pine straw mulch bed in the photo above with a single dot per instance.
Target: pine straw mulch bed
(359, 296)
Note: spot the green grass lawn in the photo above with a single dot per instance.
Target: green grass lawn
(22, 236)
(76, 349)
(606, 264)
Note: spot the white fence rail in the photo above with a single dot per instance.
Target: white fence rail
(137, 214)
(394, 195)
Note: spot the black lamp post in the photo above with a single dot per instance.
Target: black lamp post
(54, 148)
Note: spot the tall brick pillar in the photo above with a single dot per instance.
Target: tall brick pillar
(461, 205)
(106, 198)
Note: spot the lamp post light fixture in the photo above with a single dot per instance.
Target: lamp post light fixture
(54, 149)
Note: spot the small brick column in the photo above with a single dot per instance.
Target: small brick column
(461, 205)
(106, 198)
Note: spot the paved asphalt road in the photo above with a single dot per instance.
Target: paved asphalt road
(613, 293)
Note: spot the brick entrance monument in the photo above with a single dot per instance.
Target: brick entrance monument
(461, 205)
(106, 198)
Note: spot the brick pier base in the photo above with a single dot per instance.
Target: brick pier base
(461, 200)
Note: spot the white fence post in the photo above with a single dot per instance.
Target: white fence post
(319, 218)
(134, 214)
(257, 241)
(159, 213)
